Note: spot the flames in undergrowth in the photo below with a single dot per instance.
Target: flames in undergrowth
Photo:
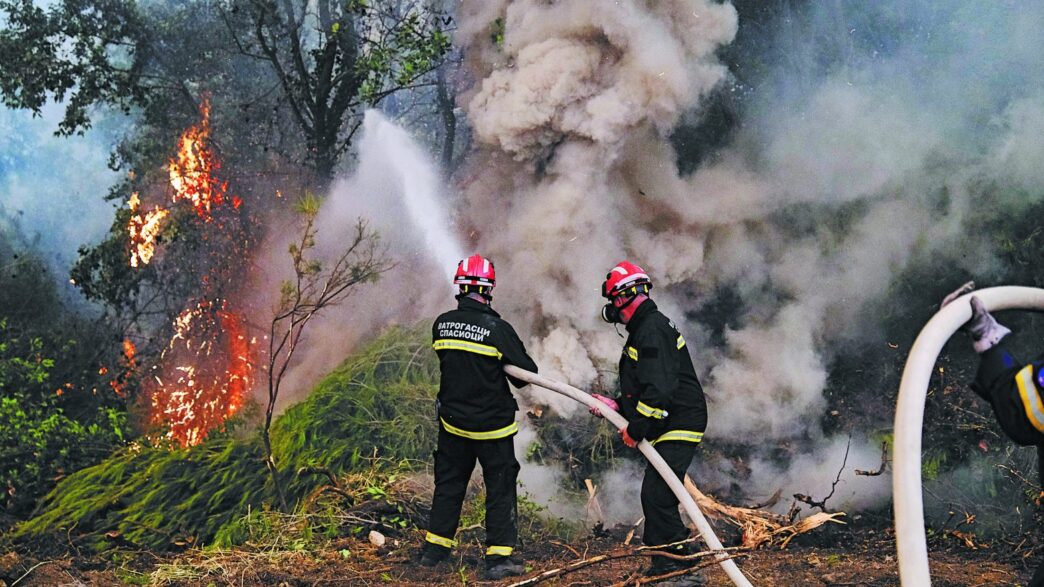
(203, 374)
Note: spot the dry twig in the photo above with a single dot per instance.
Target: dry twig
(31, 569)
(640, 551)
(759, 527)
(821, 504)
(881, 469)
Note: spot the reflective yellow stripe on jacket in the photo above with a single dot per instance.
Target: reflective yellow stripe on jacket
(681, 341)
(632, 352)
(452, 344)
(1030, 397)
(679, 435)
(651, 412)
(440, 540)
(488, 435)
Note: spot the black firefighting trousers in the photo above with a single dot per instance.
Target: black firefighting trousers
(663, 523)
(454, 461)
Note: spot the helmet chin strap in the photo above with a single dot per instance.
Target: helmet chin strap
(480, 293)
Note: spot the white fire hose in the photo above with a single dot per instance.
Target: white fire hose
(726, 563)
(909, 419)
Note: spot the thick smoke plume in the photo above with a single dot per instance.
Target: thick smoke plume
(871, 137)
(830, 187)
(560, 109)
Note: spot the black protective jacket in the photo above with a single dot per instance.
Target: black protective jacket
(660, 394)
(473, 344)
(1015, 389)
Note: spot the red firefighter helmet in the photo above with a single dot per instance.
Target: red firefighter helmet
(475, 270)
(624, 277)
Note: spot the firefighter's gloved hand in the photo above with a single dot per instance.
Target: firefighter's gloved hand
(630, 442)
(608, 401)
(985, 331)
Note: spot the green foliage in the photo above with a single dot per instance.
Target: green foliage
(379, 402)
(82, 52)
(496, 33)
(537, 524)
(53, 419)
(586, 445)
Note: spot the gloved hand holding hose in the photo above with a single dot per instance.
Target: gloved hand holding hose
(611, 404)
(608, 401)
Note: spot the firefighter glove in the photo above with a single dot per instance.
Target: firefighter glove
(608, 401)
(630, 442)
(985, 331)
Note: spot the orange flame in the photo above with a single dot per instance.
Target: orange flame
(128, 365)
(143, 230)
(203, 375)
(192, 171)
(210, 377)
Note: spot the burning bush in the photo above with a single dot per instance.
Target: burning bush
(379, 402)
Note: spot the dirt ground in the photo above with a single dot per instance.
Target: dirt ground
(852, 557)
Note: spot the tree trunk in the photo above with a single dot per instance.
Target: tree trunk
(449, 118)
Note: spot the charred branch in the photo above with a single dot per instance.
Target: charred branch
(821, 504)
(881, 469)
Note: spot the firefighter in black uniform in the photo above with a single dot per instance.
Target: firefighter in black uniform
(1013, 388)
(476, 414)
(662, 400)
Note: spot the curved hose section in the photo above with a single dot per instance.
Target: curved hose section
(726, 563)
(909, 420)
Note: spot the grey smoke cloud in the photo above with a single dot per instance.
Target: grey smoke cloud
(53, 187)
(856, 135)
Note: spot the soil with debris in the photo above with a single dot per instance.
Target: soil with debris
(850, 555)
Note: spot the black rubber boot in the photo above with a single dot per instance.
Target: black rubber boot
(433, 554)
(662, 565)
(502, 566)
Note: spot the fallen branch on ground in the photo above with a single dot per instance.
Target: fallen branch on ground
(640, 551)
(759, 527)
(881, 469)
(671, 575)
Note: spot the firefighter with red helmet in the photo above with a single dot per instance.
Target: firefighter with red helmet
(1014, 388)
(476, 414)
(662, 400)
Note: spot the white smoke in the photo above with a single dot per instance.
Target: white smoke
(572, 87)
(572, 113)
(826, 470)
(875, 131)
